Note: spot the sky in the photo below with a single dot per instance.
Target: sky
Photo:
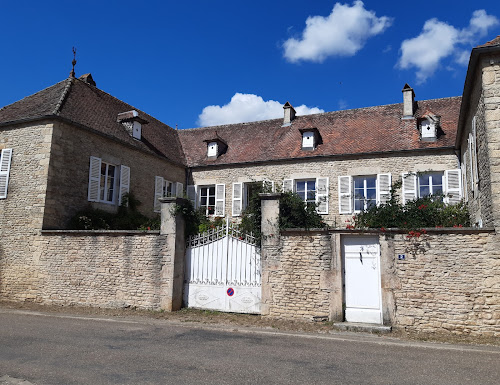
(201, 63)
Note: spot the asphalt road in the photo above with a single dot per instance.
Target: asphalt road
(60, 349)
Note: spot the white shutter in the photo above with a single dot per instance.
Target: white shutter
(220, 200)
(470, 142)
(463, 167)
(453, 186)
(474, 157)
(322, 195)
(345, 194)
(159, 183)
(94, 179)
(5, 159)
(409, 187)
(191, 191)
(288, 185)
(383, 188)
(267, 186)
(179, 189)
(237, 199)
(124, 182)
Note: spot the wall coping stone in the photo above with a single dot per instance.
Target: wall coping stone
(429, 230)
(100, 232)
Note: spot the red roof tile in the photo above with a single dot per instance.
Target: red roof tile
(365, 130)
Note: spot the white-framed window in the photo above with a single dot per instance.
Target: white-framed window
(422, 184)
(306, 189)
(310, 190)
(308, 141)
(209, 198)
(212, 149)
(166, 188)
(5, 160)
(104, 178)
(430, 184)
(107, 183)
(243, 192)
(365, 192)
(357, 193)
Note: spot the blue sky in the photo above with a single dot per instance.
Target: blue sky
(195, 63)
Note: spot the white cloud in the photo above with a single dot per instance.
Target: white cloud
(343, 33)
(247, 108)
(439, 40)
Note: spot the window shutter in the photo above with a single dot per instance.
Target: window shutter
(463, 167)
(409, 187)
(475, 170)
(383, 188)
(345, 194)
(5, 159)
(288, 185)
(179, 190)
(220, 200)
(267, 186)
(237, 199)
(322, 195)
(124, 182)
(159, 183)
(94, 179)
(453, 186)
(191, 191)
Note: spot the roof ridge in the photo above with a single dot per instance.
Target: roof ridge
(62, 99)
(308, 115)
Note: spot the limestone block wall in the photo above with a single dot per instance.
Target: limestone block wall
(69, 173)
(448, 283)
(295, 279)
(21, 213)
(100, 269)
(396, 164)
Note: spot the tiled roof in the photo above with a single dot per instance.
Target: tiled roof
(81, 103)
(495, 41)
(359, 131)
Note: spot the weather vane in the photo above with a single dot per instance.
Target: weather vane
(72, 73)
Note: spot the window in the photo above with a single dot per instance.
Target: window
(107, 185)
(306, 189)
(448, 183)
(365, 192)
(212, 149)
(165, 188)
(358, 193)
(243, 193)
(207, 199)
(430, 184)
(311, 191)
(5, 159)
(103, 181)
(308, 140)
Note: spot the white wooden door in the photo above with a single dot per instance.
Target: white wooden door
(362, 279)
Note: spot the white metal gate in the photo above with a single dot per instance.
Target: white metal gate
(362, 279)
(223, 271)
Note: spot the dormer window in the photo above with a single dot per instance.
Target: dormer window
(132, 123)
(213, 149)
(429, 127)
(310, 138)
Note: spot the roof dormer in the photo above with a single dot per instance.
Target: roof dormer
(428, 126)
(215, 147)
(132, 123)
(311, 138)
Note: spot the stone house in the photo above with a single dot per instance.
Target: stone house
(72, 145)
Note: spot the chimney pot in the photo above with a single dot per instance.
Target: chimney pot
(289, 114)
(408, 102)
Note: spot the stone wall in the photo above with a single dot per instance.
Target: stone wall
(448, 283)
(21, 213)
(396, 164)
(101, 269)
(69, 173)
